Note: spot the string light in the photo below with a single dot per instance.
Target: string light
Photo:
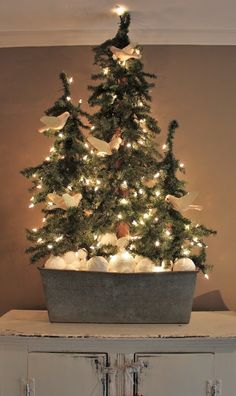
(187, 226)
(128, 145)
(61, 135)
(47, 159)
(34, 175)
(31, 205)
(80, 101)
(85, 157)
(32, 199)
(124, 201)
(98, 182)
(106, 70)
(199, 244)
(158, 193)
(186, 252)
(140, 191)
(167, 232)
(50, 246)
(50, 204)
(39, 186)
(39, 240)
(119, 10)
(181, 165)
(34, 229)
(142, 222)
(157, 175)
(134, 222)
(86, 145)
(70, 80)
(92, 128)
(206, 276)
(44, 219)
(68, 98)
(52, 149)
(124, 184)
(157, 243)
(119, 216)
(164, 146)
(135, 194)
(156, 219)
(69, 187)
(59, 238)
(195, 239)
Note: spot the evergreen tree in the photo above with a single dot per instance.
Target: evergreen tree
(123, 120)
(63, 182)
(168, 234)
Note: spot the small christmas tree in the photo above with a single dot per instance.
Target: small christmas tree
(170, 236)
(63, 182)
(124, 122)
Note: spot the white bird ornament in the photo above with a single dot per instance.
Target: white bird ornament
(184, 203)
(54, 123)
(103, 147)
(65, 201)
(126, 53)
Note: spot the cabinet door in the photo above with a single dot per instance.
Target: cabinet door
(66, 374)
(175, 374)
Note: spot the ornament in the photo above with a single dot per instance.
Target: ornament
(111, 239)
(55, 262)
(183, 203)
(184, 264)
(82, 254)
(115, 142)
(65, 201)
(167, 264)
(78, 265)
(54, 123)
(122, 262)
(69, 257)
(125, 53)
(100, 145)
(108, 239)
(122, 229)
(97, 263)
(145, 265)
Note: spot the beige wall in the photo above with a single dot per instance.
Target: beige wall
(196, 85)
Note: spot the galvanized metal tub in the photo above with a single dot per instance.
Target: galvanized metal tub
(103, 297)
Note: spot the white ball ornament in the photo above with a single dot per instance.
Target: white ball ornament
(55, 262)
(82, 254)
(69, 257)
(145, 265)
(80, 265)
(122, 262)
(184, 264)
(108, 239)
(97, 263)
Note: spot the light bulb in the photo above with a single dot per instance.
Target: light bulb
(31, 205)
(50, 204)
(128, 145)
(124, 201)
(70, 80)
(85, 157)
(68, 98)
(187, 226)
(206, 276)
(47, 159)
(157, 175)
(157, 193)
(80, 101)
(34, 175)
(124, 184)
(69, 187)
(39, 240)
(164, 146)
(119, 10)
(86, 145)
(61, 135)
(52, 149)
(146, 215)
(181, 165)
(119, 216)
(106, 70)
(157, 243)
(92, 128)
(44, 219)
(59, 238)
(167, 232)
(50, 246)
(32, 199)
(134, 223)
(34, 229)
(140, 191)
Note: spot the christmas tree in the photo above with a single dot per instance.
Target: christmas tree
(108, 194)
(170, 236)
(63, 182)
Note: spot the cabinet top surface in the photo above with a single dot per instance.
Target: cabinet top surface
(36, 323)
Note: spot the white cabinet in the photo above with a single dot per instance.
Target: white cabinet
(65, 374)
(176, 374)
(38, 358)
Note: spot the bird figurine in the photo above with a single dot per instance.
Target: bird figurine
(184, 203)
(126, 53)
(103, 147)
(54, 123)
(65, 201)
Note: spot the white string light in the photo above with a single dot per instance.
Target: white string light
(157, 243)
(34, 229)
(68, 98)
(206, 276)
(119, 10)
(50, 246)
(70, 80)
(31, 205)
(157, 175)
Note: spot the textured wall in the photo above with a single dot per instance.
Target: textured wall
(196, 85)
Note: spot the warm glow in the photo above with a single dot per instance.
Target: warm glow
(206, 276)
(68, 98)
(70, 80)
(157, 243)
(119, 9)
